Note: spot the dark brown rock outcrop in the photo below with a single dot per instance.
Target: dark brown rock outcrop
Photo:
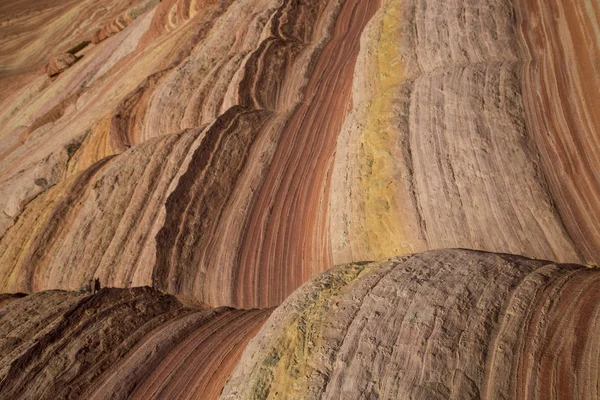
(118, 343)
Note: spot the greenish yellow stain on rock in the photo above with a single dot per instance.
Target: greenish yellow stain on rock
(285, 370)
(387, 236)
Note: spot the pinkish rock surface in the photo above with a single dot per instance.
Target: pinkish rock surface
(227, 152)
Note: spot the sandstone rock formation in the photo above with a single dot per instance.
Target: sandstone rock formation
(59, 63)
(441, 150)
(31, 31)
(250, 133)
(223, 153)
(320, 133)
(438, 325)
(560, 43)
(119, 343)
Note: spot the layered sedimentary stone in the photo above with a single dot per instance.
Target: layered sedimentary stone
(228, 151)
(59, 63)
(57, 128)
(118, 343)
(358, 131)
(560, 46)
(441, 324)
(440, 148)
(248, 191)
(32, 31)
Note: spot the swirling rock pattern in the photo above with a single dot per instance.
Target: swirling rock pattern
(561, 99)
(32, 30)
(441, 324)
(443, 147)
(321, 133)
(221, 153)
(118, 343)
(251, 148)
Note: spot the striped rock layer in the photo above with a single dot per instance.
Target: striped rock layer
(437, 325)
(226, 152)
(231, 165)
(118, 343)
(246, 161)
(473, 127)
(178, 145)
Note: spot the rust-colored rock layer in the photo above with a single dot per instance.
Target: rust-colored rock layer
(560, 43)
(118, 343)
(438, 325)
(313, 134)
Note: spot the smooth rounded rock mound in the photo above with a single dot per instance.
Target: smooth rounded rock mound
(437, 325)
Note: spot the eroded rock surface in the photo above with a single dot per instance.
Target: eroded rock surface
(233, 138)
(312, 134)
(561, 99)
(118, 343)
(60, 63)
(441, 324)
(444, 147)
(226, 152)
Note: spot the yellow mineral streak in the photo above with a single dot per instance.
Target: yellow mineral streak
(288, 367)
(19, 242)
(387, 235)
(94, 148)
